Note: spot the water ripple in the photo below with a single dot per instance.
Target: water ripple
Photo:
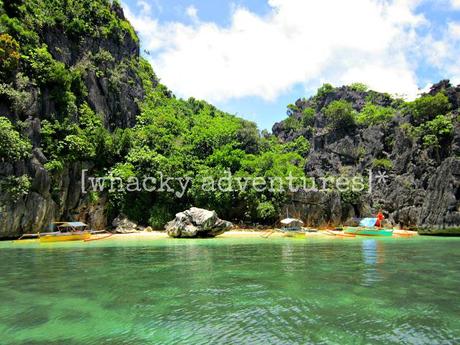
(246, 292)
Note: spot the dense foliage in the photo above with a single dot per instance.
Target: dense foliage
(78, 18)
(9, 53)
(340, 114)
(172, 137)
(192, 138)
(427, 107)
(373, 114)
(13, 146)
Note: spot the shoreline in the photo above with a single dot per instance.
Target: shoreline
(245, 233)
(232, 234)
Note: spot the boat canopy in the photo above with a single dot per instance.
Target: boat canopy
(66, 226)
(74, 224)
(368, 222)
(292, 222)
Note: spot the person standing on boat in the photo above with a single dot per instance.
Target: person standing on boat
(380, 218)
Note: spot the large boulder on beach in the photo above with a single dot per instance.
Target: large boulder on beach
(197, 222)
(122, 225)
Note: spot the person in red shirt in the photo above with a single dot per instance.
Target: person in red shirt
(380, 218)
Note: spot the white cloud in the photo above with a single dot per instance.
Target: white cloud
(454, 30)
(145, 6)
(192, 12)
(298, 42)
(443, 52)
(455, 3)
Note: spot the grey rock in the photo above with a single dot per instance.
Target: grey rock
(197, 222)
(113, 94)
(440, 212)
(122, 225)
(423, 188)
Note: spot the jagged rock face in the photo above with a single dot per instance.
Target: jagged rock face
(441, 205)
(118, 103)
(422, 189)
(114, 92)
(197, 222)
(42, 205)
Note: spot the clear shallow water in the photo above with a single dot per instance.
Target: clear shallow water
(277, 291)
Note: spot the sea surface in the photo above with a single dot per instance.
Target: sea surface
(231, 291)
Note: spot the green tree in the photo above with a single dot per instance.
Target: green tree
(13, 147)
(374, 114)
(437, 131)
(292, 123)
(324, 90)
(15, 187)
(340, 115)
(9, 53)
(359, 87)
(308, 118)
(299, 145)
(266, 212)
(428, 107)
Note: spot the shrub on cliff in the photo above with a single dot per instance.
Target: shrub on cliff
(85, 140)
(15, 187)
(340, 115)
(292, 124)
(373, 115)
(383, 163)
(308, 117)
(324, 90)
(428, 107)
(300, 145)
(64, 84)
(359, 87)
(9, 53)
(12, 146)
(436, 131)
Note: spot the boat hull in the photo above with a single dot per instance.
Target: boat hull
(65, 237)
(340, 234)
(369, 232)
(296, 235)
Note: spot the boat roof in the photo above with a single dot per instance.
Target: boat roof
(291, 220)
(72, 224)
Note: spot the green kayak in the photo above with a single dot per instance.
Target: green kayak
(369, 231)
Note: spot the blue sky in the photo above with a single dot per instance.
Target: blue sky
(253, 57)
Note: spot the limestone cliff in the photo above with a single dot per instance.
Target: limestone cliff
(68, 61)
(423, 185)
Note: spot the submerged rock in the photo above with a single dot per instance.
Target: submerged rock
(197, 222)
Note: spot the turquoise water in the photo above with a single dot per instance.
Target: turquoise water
(226, 291)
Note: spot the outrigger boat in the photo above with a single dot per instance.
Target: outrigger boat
(340, 233)
(368, 231)
(66, 231)
(367, 227)
(292, 227)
